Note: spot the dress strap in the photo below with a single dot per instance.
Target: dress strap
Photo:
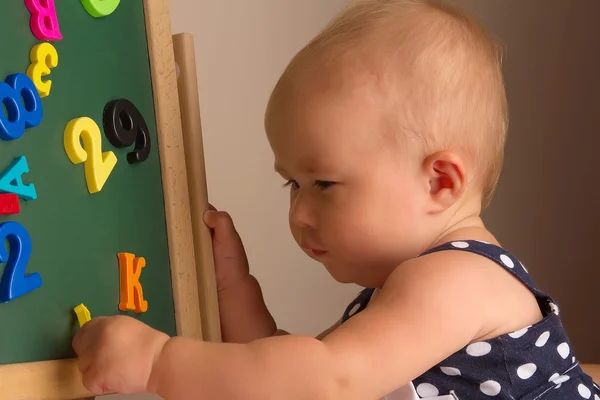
(358, 304)
(494, 253)
(505, 260)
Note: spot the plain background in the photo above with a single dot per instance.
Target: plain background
(547, 205)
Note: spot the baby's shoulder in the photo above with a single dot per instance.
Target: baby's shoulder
(478, 276)
(467, 263)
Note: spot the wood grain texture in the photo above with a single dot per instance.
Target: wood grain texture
(174, 174)
(45, 380)
(189, 103)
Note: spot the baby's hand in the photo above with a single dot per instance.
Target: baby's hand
(117, 354)
(231, 263)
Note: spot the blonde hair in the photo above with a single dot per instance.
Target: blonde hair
(447, 67)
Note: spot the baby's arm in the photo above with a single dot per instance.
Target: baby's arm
(430, 308)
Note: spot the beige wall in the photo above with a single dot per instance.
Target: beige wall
(547, 207)
(242, 47)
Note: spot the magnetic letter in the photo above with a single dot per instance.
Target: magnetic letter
(11, 180)
(9, 204)
(132, 296)
(83, 314)
(100, 8)
(43, 21)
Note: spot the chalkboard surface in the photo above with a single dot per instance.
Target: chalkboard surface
(76, 235)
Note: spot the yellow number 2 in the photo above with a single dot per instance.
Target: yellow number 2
(43, 57)
(98, 165)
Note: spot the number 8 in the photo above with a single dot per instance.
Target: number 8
(23, 106)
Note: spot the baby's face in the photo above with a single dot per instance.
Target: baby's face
(355, 205)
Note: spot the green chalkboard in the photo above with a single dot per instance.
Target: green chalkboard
(75, 235)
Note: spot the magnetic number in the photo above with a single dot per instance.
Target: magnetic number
(23, 106)
(43, 57)
(125, 125)
(98, 165)
(15, 282)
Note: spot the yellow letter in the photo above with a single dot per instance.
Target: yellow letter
(83, 314)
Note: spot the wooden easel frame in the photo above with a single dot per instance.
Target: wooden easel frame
(192, 272)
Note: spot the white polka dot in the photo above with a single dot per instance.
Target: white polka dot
(479, 349)
(524, 269)
(491, 388)
(573, 359)
(507, 261)
(554, 308)
(427, 390)
(563, 349)
(596, 397)
(558, 380)
(354, 309)
(519, 333)
(584, 391)
(460, 245)
(450, 371)
(543, 339)
(526, 371)
(553, 378)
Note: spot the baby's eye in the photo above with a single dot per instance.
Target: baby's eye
(291, 183)
(324, 184)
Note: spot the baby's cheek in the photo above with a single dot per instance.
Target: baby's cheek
(295, 233)
(349, 231)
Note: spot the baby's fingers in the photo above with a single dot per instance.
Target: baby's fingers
(221, 223)
(81, 339)
(92, 381)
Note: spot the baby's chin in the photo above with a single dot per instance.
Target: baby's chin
(341, 272)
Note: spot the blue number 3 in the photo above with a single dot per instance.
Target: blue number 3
(14, 282)
(23, 106)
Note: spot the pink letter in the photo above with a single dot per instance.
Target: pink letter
(43, 22)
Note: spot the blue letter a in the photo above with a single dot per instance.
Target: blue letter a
(11, 180)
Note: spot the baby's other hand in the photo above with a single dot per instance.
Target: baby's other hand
(117, 354)
(231, 263)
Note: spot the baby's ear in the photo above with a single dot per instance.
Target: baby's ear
(447, 179)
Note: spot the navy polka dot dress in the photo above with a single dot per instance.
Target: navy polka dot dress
(536, 362)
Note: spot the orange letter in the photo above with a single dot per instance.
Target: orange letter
(132, 296)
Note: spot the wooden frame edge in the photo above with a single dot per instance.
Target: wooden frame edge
(61, 379)
(183, 44)
(43, 380)
(173, 169)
